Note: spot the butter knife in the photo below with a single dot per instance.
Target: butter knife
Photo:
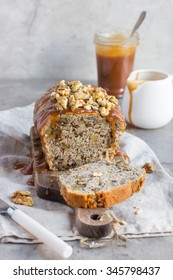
(41, 233)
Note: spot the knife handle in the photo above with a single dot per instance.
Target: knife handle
(51, 240)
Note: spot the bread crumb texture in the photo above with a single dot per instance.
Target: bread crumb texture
(116, 184)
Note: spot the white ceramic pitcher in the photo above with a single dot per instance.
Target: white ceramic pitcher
(148, 99)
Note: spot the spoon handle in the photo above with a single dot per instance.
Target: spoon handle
(139, 21)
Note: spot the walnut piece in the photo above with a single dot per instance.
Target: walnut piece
(22, 197)
(103, 111)
(78, 103)
(148, 166)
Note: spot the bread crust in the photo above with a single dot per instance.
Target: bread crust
(104, 198)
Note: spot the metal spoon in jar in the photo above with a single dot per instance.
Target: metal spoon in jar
(139, 22)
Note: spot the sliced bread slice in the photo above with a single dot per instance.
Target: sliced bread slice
(100, 184)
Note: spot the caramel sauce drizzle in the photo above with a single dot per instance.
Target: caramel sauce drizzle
(26, 169)
(38, 157)
(42, 167)
(45, 111)
(132, 86)
(121, 153)
(115, 114)
(19, 165)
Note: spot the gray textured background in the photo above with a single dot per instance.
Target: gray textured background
(53, 39)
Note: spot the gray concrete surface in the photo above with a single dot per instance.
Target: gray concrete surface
(50, 39)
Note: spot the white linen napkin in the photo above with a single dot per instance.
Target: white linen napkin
(148, 213)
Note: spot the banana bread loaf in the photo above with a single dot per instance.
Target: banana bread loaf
(100, 184)
(77, 124)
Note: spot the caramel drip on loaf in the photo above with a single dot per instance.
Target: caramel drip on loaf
(122, 154)
(46, 111)
(115, 114)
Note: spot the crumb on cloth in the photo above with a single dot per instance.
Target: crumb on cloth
(148, 166)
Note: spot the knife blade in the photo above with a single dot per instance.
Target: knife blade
(41, 233)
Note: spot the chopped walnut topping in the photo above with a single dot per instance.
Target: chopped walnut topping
(62, 102)
(22, 197)
(101, 102)
(75, 85)
(87, 107)
(73, 95)
(103, 111)
(112, 99)
(53, 94)
(77, 104)
(72, 100)
(81, 95)
(148, 166)
(62, 88)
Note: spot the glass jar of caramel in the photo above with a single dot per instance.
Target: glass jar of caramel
(115, 53)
